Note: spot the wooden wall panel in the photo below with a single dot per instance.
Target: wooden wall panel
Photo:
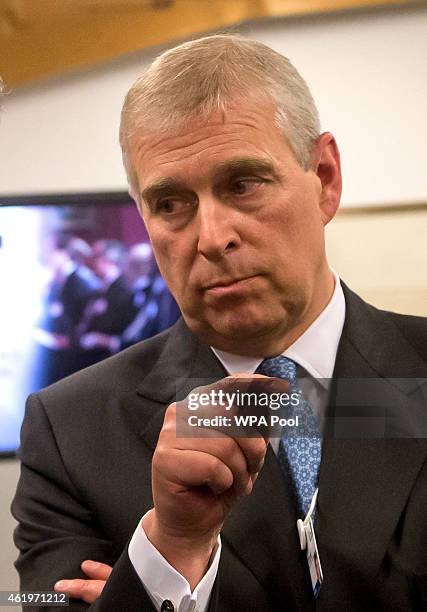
(48, 37)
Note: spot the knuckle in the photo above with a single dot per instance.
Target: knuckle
(171, 409)
(170, 416)
(214, 465)
(158, 458)
(77, 585)
(228, 448)
(255, 450)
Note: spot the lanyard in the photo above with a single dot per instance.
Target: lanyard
(308, 543)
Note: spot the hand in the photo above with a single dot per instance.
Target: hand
(195, 483)
(88, 590)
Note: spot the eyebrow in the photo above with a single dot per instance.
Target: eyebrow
(246, 164)
(164, 186)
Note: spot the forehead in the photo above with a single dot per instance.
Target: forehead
(205, 145)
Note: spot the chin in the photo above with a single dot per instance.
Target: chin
(229, 328)
(239, 327)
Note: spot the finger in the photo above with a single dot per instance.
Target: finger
(190, 468)
(88, 590)
(246, 376)
(96, 570)
(226, 449)
(253, 450)
(243, 456)
(240, 454)
(267, 395)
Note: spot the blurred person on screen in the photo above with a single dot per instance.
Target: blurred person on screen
(111, 310)
(154, 308)
(70, 287)
(157, 308)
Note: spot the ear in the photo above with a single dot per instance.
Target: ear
(327, 166)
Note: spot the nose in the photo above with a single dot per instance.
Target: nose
(217, 232)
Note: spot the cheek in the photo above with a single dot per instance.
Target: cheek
(171, 257)
(302, 227)
(159, 245)
(292, 244)
(164, 259)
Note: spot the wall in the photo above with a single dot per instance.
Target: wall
(382, 255)
(9, 474)
(366, 71)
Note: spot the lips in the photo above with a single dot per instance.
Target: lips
(224, 283)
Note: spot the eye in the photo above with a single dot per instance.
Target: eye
(245, 186)
(171, 206)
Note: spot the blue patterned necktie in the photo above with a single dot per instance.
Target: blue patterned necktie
(300, 448)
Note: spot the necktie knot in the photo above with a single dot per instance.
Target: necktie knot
(279, 367)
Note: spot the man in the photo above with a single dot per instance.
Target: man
(111, 309)
(235, 184)
(72, 285)
(153, 307)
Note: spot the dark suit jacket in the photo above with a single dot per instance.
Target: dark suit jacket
(71, 297)
(119, 311)
(87, 444)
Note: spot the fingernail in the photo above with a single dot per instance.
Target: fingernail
(92, 564)
(62, 584)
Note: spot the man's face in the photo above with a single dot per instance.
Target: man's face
(236, 228)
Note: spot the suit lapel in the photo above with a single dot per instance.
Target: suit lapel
(364, 483)
(182, 361)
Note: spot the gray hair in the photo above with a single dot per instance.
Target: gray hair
(201, 76)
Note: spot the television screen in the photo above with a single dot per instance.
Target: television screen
(79, 283)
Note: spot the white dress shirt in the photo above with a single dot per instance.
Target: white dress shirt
(314, 353)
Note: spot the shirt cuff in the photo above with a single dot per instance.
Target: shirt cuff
(162, 581)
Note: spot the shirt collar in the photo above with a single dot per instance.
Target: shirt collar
(315, 350)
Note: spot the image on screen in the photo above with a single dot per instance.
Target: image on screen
(79, 283)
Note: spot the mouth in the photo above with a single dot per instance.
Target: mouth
(225, 287)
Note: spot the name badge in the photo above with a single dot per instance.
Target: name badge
(308, 543)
